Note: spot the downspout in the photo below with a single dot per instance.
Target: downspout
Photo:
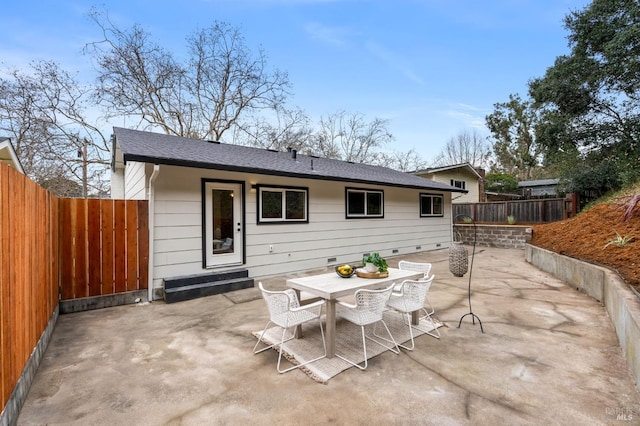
(152, 196)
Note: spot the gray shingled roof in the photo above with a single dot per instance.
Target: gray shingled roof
(539, 182)
(467, 166)
(159, 148)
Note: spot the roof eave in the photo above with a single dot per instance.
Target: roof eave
(9, 155)
(270, 172)
(451, 167)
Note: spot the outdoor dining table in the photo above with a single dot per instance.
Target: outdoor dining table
(331, 287)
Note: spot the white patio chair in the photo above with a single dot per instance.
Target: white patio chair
(418, 267)
(227, 244)
(285, 311)
(368, 309)
(410, 299)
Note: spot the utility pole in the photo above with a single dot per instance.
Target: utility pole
(82, 153)
(84, 167)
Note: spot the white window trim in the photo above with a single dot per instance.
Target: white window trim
(431, 196)
(283, 190)
(455, 182)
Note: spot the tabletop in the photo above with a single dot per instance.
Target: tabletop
(330, 286)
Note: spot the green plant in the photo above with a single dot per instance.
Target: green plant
(511, 219)
(619, 240)
(467, 219)
(500, 182)
(377, 260)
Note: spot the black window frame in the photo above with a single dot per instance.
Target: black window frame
(432, 197)
(282, 189)
(366, 192)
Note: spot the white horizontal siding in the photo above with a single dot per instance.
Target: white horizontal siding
(117, 184)
(330, 235)
(179, 243)
(471, 182)
(170, 233)
(296, 246)
(135, 184)
(175, 270)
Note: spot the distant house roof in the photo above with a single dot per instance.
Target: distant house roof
(466, 166)
(8, 154)
(540, 182)
(504, 195)
(156, 148)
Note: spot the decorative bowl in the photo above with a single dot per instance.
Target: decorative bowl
(345, 275)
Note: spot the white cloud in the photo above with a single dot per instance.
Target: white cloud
(466, 119)
(330, 35)
(394, 61)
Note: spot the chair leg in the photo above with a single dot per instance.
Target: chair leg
(413, 345)
(270, 346)
(324, 344)
(260, 340)
(431, 309)
(391, 340)
(364, 349)
(434, 332)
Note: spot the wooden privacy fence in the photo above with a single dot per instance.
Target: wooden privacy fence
(104, 247)
(52, 249)
(524, 211)
(28, 271)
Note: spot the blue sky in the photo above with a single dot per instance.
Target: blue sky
(433, 68)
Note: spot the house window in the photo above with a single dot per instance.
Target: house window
(364, 203)
(459, 184)
(431, 205)
(282, 204)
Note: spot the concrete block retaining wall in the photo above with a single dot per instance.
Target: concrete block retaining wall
(501, 236)
(604, 285)
(9, 415)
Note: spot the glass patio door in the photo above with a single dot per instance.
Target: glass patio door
(223, 220)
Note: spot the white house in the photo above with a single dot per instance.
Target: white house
(217, 207)
(462, 176)
(8, 154)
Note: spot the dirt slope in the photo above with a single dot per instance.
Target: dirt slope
(586, 235)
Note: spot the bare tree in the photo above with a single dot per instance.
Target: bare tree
(47, 114)
(466, 147)
(222, 82)
(349, 137)
(287, 128)
(409, 161)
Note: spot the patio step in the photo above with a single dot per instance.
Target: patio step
(187, 287)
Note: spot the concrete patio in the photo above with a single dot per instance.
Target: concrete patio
(548, 355)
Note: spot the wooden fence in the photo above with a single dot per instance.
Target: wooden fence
(104, 247)
(524, 211)
(54, 249)
(28, 271)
